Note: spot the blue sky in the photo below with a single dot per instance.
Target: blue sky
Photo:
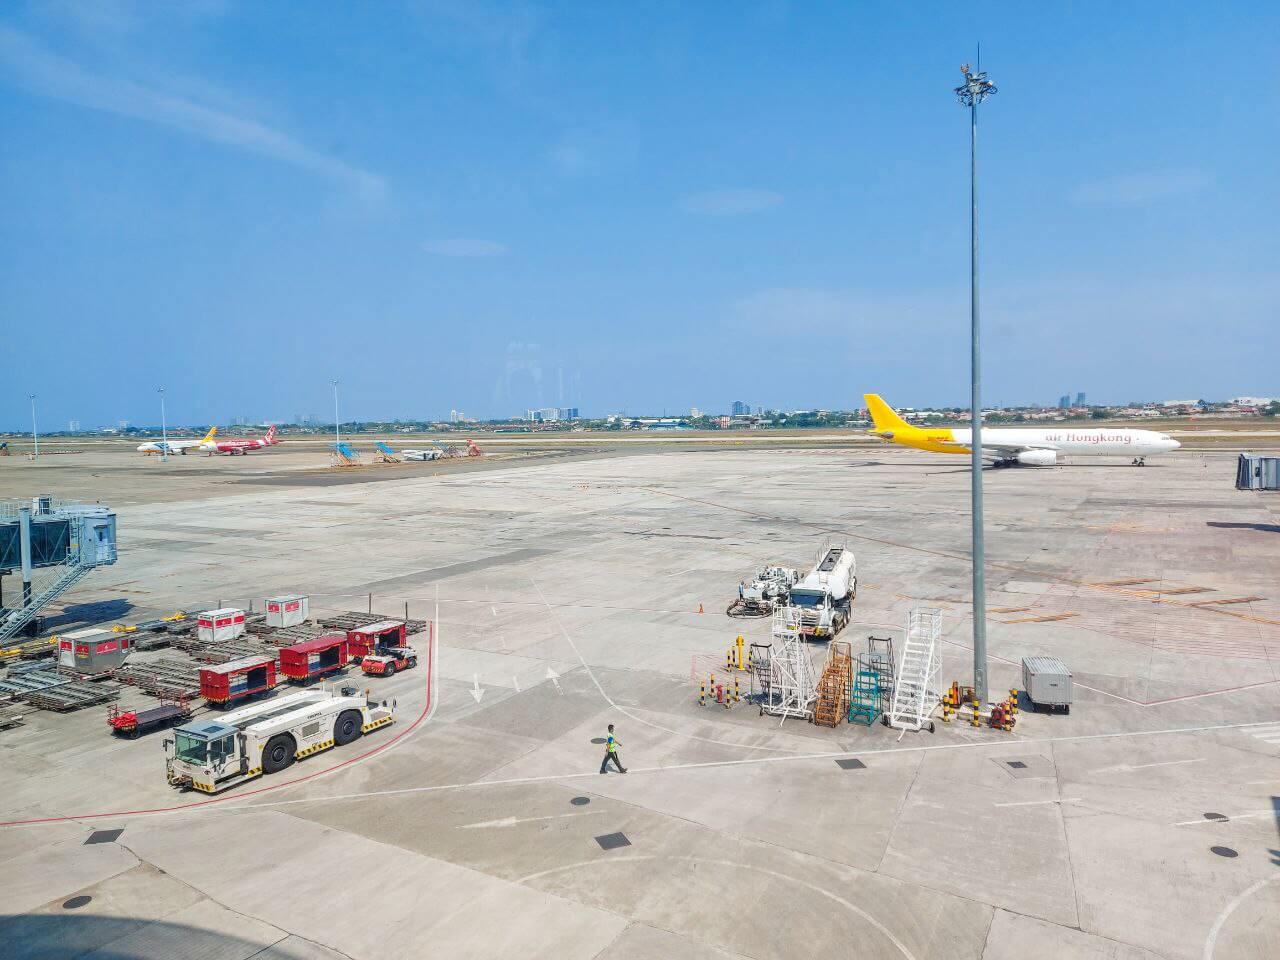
(636, 207)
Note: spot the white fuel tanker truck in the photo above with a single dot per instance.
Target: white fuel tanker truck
(823, 598)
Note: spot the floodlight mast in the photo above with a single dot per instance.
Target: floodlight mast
(971, 93)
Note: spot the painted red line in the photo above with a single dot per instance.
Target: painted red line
(431, 651)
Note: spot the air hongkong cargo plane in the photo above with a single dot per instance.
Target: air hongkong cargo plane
(1007, 447)
(238, 447)
(176, 446)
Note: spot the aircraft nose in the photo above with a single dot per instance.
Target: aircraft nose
(1171, 443)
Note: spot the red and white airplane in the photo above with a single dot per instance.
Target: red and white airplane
(213, 445)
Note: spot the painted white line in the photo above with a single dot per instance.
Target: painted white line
(1230, 816)
(1033, 803)
(512, 821)
(1212, 942)
(736, 867)
(1251, 783)
(1130, 767)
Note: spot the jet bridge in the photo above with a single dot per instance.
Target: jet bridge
(69, 539)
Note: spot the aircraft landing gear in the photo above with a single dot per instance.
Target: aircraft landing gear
(1139, 461)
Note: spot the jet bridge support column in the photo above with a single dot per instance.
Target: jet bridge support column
(24, 540)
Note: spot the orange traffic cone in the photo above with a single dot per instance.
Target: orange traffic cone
(700, 610)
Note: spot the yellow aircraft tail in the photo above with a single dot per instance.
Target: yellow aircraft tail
(884, 417)
(208, 437)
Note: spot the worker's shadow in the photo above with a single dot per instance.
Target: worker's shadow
(1261, 527)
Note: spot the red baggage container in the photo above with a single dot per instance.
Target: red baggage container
(314, 658)
(375, 637)
(236, 679)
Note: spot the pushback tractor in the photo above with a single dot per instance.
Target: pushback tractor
(211, 755)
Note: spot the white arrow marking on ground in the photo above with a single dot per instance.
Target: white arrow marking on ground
(476, 691)
(512, 821)
(1033, 803)
(1130, 767)
(515, 683)
(555, 678)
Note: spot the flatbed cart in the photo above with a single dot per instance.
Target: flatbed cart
(135, 723)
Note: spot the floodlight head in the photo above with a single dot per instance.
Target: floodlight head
(975, 89)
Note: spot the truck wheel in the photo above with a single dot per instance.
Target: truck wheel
(411, 663)
(278, 753)
(388, 669)
(346, 728)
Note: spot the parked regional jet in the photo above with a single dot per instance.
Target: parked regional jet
(238, 447)
(1006, 446)
(176, 446)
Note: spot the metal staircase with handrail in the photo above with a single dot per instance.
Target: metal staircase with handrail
(91, 544)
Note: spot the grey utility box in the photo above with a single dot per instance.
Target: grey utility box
(1047, 683)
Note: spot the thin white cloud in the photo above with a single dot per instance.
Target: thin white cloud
(465, 247)
(1141, 187)
(593, 151)
(729, 203)
(59, 78)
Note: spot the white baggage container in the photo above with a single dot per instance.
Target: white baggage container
(92, 652)
(1047, 683)
(287, 611)
(217, 626)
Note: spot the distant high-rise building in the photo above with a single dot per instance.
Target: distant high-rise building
(568, 413)
(759, 411)
(739, 409)
(694, 413)
(1064, 402)
(124, 424)
(74, 426)
(1080, 399)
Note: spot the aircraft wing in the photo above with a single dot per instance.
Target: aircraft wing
(1004, 451)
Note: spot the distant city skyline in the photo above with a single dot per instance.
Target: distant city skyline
(566, 414)
(625, 207)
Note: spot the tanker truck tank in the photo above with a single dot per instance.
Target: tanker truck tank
(824, 597)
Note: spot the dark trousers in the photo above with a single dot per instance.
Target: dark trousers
(604, 764)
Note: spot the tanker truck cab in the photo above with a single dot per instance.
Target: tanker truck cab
(211, 755)
(822, 600)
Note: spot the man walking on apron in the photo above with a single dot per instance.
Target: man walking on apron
(611, 753)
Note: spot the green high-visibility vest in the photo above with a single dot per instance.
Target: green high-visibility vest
(612, 745)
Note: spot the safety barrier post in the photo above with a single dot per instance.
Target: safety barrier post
(702, 695)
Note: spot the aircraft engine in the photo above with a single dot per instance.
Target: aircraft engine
(1038, 458)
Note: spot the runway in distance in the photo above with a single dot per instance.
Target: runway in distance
(176, 446)
(1020, 446)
